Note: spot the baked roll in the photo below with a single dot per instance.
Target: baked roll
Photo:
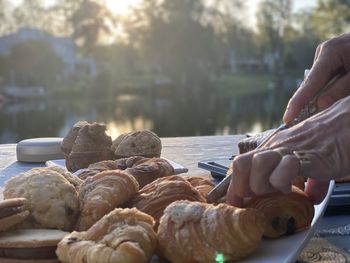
(145, 170)
(285, 213)
(199, 232)
(156, 196)
(123, 235)
(102, 193)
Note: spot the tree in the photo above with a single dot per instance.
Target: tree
(34, 63)
(331, 18)
(273, 19)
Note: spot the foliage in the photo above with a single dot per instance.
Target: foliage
(33, 63)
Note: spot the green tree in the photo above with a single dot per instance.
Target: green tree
(33, 63)
(331, 18)
(273, 20)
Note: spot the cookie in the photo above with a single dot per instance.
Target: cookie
(51, 199)
(12, 212)
(30, 245)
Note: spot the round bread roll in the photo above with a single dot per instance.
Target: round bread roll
(140, 143)
(52, 201)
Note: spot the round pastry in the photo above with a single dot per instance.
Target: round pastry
(123, 235)
(102, 193)
(285, 213)
(51, 199)
(140, 143)
(145, 170)
(156, 196)
(74, 180)
(30, 245)
(12, 212)
(201, 184)
(199, 232)
(91, 144)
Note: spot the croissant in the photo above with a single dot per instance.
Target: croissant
(91, 145)
(102, 193)
(199, 232)
(122, 236)
(201, 184)
(156, 196)
(285, 213)
(145, 170)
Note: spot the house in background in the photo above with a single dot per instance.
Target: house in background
(64, 47)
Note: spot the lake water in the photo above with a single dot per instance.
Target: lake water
(168, 116)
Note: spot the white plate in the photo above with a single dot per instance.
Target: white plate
(287, 249)
(178, 168)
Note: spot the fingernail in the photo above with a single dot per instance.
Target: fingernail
(286, 115)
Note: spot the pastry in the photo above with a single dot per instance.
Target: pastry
(145, 170)
(102, 193)
(140, 143)
(30, 245)
(201, 184)
(123, 235)
(74, 180)
(199, 232)
(91, 145)
(12, 212)
(156, 196)
(285, 213)
(51, 199)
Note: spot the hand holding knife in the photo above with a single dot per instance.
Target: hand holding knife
(307, 111)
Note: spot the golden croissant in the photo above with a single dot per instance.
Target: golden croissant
(145, 170)
(285, 213)
(156, 196)
(122, 236)
(201, 184)
(102, 193)
(199, 232)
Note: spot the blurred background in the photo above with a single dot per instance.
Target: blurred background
(177, 67)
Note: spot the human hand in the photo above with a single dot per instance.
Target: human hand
(331, 57)
(324, 138)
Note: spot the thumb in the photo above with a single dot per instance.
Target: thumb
(316, 190)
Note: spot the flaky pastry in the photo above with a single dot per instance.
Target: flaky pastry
(199, 232)
(156, 196)
(103, 192)
(285, 213)
(122, 236)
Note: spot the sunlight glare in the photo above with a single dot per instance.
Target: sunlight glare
(121, 7)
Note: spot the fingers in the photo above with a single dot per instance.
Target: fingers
(325, 66)
(338, 90)
(316, 190)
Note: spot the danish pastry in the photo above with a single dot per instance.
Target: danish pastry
(123, 235)
(285, 213)
(156, 196)
(201, 184)
(199, 232)
(102, 193)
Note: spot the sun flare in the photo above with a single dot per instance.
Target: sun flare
(121, 7)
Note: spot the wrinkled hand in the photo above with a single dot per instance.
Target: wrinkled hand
(330, 57)
(325, 139)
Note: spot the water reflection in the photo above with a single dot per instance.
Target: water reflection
(167, 115)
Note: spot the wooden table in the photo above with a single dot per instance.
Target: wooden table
(188, 151)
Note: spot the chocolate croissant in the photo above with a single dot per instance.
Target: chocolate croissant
(122, 236)
(156, 196)
(102, 193)
(145, 170)
(199, 232)
(285, 213)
